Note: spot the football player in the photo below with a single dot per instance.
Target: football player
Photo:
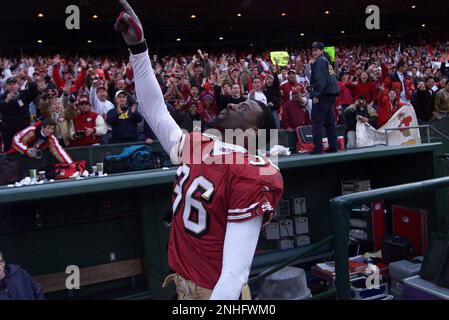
(218, 206)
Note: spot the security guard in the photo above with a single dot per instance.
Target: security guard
(324, 91)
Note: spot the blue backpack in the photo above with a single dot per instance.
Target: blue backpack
(133, 158)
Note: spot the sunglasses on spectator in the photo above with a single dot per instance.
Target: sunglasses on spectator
(83, 103)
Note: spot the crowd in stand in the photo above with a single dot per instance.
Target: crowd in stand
(92, 100)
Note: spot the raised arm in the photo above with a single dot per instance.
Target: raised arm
(148, 91)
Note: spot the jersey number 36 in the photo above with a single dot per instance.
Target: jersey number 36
(193, 207)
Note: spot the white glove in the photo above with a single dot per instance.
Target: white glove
(129, 25)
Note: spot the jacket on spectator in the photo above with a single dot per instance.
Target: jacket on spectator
(88, 120)
(32, 137)
(398, 86)
(16, 113)
(366, 89)
(355, 110)
(345, 96)
(425, 104)
(273, 94)
(294, 115)
(60, 83)
(124, 126)
(185, 119)
(224, 100)
(442, 101)
(19, 285)
(386, 110)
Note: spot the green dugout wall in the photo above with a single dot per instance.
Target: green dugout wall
(96, 221)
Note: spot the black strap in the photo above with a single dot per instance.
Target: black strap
(139, 48)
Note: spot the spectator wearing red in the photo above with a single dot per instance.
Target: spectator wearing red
(364, 87)
(402, 83)
(208, 112)
(88, 126)
(68, 77)
(388, 105)
(345, 98)
(194, 97)
(288, 85)
(294, 112)
(39, 137)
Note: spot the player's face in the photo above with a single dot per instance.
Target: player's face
(239, 116)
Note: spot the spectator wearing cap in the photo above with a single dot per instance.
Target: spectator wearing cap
(273, 94)
(98, 95)
(294, 112)
(288, 85)
(359, 111)
(257, 93)
(124, 120)
(197, 71)
(17, 284)
(235, 76)
(88, 126)
(208, 110)
(324, 92)
(14, 108)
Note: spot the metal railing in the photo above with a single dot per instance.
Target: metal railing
(427, 126)
(406, 128)
(340, 208)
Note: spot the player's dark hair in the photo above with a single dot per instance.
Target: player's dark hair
(266, 119)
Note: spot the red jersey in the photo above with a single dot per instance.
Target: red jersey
(208, 193)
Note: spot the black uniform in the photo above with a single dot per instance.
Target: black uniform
(325, 88)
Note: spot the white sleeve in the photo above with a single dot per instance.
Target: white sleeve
(238, 252)
(94, 100)
(152, 104)
(265, 66)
